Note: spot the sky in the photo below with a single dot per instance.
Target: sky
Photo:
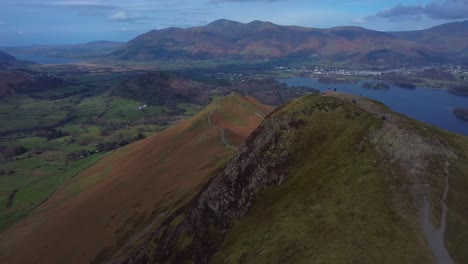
(52, 22)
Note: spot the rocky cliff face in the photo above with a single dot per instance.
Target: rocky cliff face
(195, 232)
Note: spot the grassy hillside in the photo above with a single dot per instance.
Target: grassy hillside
(325, 180)
(110, 207)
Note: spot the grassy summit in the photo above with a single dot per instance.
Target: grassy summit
(324, 180)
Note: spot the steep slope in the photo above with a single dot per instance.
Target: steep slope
(113, 204)
(324, 180)
(260, 40)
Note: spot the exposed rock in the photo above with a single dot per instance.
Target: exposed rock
(259, 163)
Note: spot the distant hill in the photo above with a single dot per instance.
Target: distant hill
(6, 59)
(450, 38)
(18, 81)
(265, 40)
(161, 88)
(86, 50)
(135, 186)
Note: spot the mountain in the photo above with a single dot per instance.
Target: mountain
(117, 201)
(85, 50)
(6, 59)
(326, 180)
(265, 40)
(451, 38)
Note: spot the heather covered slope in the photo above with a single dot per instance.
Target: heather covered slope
(323, 180)
(112, 205)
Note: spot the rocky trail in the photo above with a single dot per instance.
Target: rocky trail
(435, 237)
(221, 130)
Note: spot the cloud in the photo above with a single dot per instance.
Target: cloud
(359, 21)
(122, 16)
(81, 4)
(438, 9)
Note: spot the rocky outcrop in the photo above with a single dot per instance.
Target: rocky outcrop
(195, 232)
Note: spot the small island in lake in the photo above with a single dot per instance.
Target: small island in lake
(461, 113)
(376, 86)
(406, 85)
(334, 79)
(459, 91)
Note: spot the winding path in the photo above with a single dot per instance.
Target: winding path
(436, 237)
(223, 134)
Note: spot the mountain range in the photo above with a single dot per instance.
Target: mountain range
(265, 40)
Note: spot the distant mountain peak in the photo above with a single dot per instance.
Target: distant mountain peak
(223, 22)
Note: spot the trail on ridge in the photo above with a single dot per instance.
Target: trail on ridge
(211, 124)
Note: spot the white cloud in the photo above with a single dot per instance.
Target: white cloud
(435, 9)
(80, 4)
(359, 21)
(122, 16)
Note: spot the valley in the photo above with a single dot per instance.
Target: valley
(63, 119)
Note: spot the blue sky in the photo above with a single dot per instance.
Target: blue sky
(28, 22)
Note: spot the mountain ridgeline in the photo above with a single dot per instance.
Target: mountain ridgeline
(325, 180)
(265, 40)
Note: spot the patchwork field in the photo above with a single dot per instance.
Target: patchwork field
(48, 136)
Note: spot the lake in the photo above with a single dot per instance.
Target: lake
(42, 59)
(432, 106)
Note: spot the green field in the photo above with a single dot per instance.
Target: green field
(62, 131)
(34, 180)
